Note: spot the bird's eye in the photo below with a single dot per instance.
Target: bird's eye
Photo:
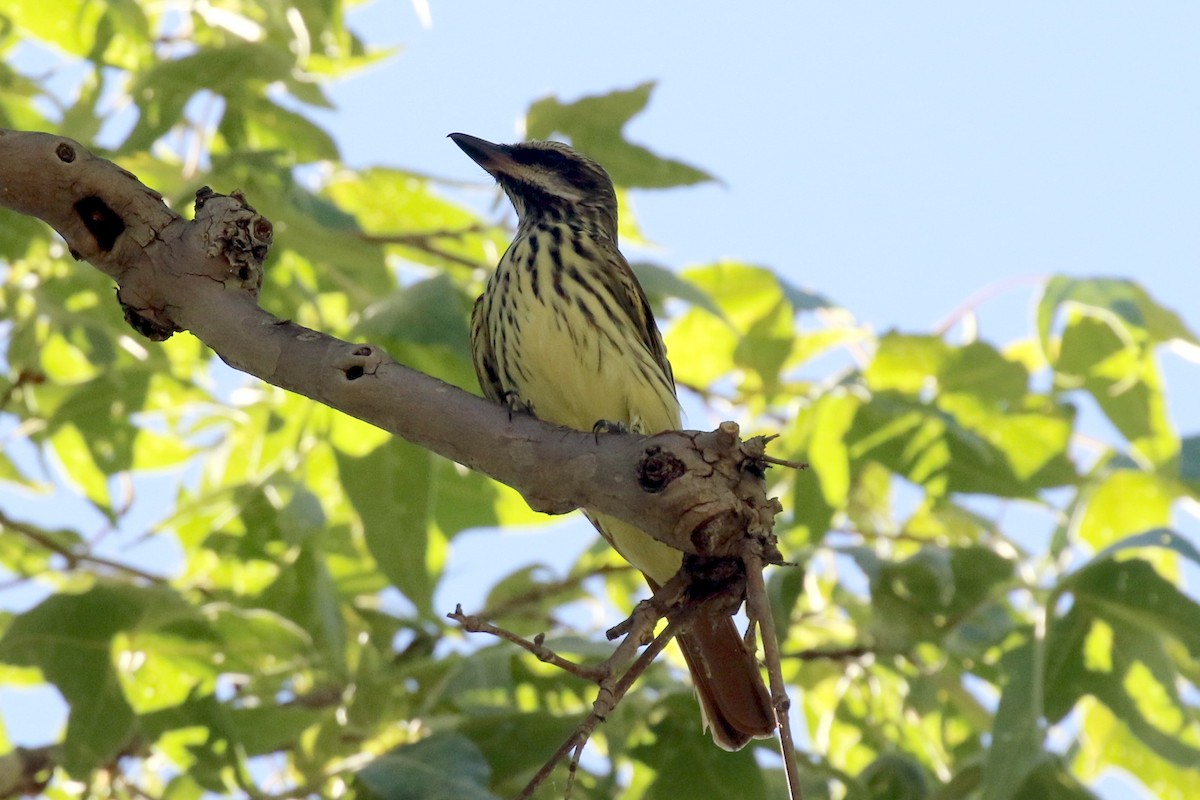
(552, 160)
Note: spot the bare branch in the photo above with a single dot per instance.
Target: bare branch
(476, 624)
(758, 609)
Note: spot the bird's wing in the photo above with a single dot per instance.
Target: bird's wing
(632, 300)
(483, 354)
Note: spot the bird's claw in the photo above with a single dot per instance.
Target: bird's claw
(608, 426)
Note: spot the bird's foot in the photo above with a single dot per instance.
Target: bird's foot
(608, 426)
(516, 405)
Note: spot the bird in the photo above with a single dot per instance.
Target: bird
(564, 331)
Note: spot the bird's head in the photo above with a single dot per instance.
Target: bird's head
(547, 181)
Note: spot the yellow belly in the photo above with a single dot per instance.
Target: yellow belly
(571, 373)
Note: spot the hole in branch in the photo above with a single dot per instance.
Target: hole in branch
(102, 222)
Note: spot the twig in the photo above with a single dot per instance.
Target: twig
(758, 609)
(73, 557)
(972, 303)
(831, 654)
(475, 624)
(25, 376)
(637, 630)
(601, 708)
(783, 462)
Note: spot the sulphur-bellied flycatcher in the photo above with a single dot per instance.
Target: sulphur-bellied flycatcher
(564, 330)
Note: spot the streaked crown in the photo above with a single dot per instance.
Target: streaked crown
(548, 181)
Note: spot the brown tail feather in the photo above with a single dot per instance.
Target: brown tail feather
(733, 699)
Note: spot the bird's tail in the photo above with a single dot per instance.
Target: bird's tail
(733, 700)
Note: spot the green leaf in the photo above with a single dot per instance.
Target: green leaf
(686, 764)
(784, 588)
(906, 363)
(307, 594)
(1122, 302)
(268, 729)
(237, 71)
(516, 743)
(923, 596)
(396, 520)
(1116, 643)
(412, 218)
(68, 637)
(255, 640)
(1159, 537)
(753, 302)
(1133, 592)
(594, 126)
(1107, 743)
(265, 125)
(1052, 781)
(832, 417)
(1016, 749)
(660, 282)
(444, 766)
(520, 603)
(71, 25)
(979, 369)
(430, 312)
(968, 447)
(1124, 502)
(895, 776)
(100, 410)
(1125, 381)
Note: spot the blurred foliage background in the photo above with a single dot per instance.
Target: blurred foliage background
(934, 647)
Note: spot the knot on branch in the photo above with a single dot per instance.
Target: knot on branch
(733, 505)
(234, 231)
(153, 323)
(657, 469)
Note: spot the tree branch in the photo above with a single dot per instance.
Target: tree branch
(698, 492)
(73, 556)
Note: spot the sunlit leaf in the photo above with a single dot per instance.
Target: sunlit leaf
(1123, 302)
(1125, 381)
(594, 126)
(1123, 503)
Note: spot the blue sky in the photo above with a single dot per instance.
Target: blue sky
(894, 157)
(897, 160)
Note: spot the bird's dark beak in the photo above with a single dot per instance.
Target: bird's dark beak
(495, 158)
